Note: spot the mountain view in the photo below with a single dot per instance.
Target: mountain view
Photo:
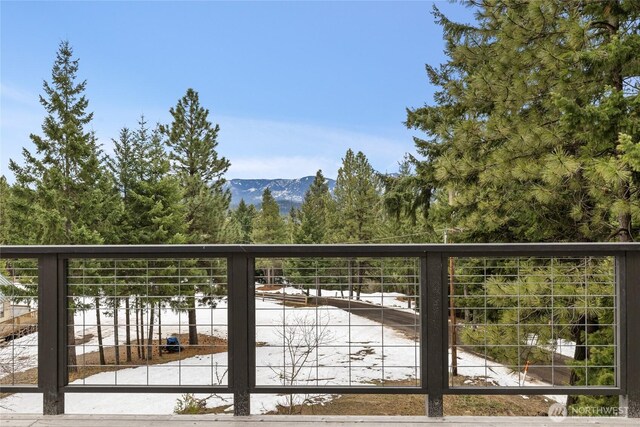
(287, 192)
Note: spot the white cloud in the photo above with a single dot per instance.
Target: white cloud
(14, 94)
(281, 166)
(284, 149)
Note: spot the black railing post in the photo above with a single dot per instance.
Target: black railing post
(631, 319)
(239, 332)
(51, 330)
(434, 336)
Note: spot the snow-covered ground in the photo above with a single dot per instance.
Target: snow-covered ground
(563, 347)
(348, 344)
(351, 350)
(470, 365)
(398, 301)
(24, 350)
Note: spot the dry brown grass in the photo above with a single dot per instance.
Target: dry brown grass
(414, 405)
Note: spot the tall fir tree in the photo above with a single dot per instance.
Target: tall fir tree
(151, 195)
(192, 139)
(524, 137)
(67, 190)
(268, 225)
(64, 192)
(5, 225)
(314, 217)
(123, 167)
(358, 201)
(358, 206)
(405, 216)
(243, 217)
(314, 212)
(532, 128)
(292, 224)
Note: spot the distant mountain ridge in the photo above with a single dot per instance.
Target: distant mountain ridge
(287, 192)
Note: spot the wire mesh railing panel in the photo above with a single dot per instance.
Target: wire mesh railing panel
(18, 322)
(337, 322)
(533, 321)
(160, 322)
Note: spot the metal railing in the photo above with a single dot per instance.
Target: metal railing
(327, 319)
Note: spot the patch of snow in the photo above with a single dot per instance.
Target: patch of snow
(355, 351)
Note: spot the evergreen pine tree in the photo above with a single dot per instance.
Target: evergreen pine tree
(357, 200)
(268, 225)
(357, 211)
(530, 136)
(524, 137)
(5, 227)
(193, 141)
(65, 193)
(66, 187)
(292, 224)
(122, 166)
(313, 214)
(313, 220)
(243, 216)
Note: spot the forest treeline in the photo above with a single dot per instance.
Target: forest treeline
(164, 183)
(533, 135)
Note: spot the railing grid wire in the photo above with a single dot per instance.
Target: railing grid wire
(334, 329)
(125, 310)
(534, 321)
(19, 322)
(564, 314)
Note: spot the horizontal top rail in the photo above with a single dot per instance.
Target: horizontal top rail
(453, 249)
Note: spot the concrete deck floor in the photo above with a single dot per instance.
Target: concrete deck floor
(23, 420)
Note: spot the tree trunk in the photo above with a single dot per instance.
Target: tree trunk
(137, 310)
(586, 325)
(193, 328)
(127, 320)
(71, 338)
(617, 80)
(467, 313)
(359, 280)
(150, 335)
(350, 281)
(116, 331)
(159, 329)
(99, 326)
(624, 222)
(141, 342)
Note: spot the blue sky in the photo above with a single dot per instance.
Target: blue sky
(293, 85)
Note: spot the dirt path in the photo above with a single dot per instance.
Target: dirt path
(408, 324)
